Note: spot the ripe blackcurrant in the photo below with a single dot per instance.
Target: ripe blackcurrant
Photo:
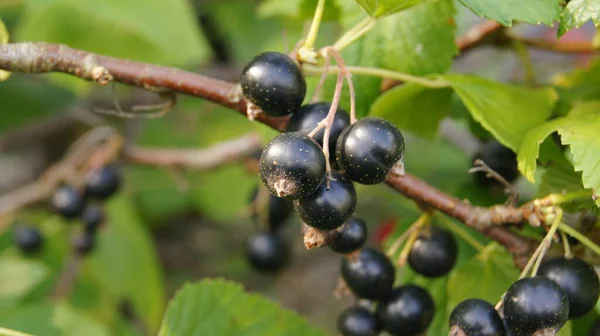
(276, 210)
(433, 253)
(308, 117)
(267, 252)
(367, 150)
(103, 182)
(292, 165)
(499, 158)
(84, 243)
(328, 208)
(407, 311)
(357, 321)
(535, 305)
(370, 275)
(578, 279)
(68, 202)
(92, 217)
(351, 236)
(274, 82)
(28, 239)
(475, 317)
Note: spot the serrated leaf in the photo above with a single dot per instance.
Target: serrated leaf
(18, 277)
(530, 148)
(414, 108)
(507, 11)
(578, 12)
(506, 111)
(220, 307)
(559, 174)
(379, 8)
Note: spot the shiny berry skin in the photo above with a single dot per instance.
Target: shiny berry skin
(68, 202)
(535, 304)
(475, 317)
(578, 279)
(92, 217)
(351, 236)
(267, 252)
(103, 182)
(28, 239)
(292, 166)
(407, 311)
(370, 275)
(276, 212)
(308, 117)
(357, 321)
(498, 157)
(434, 253)
(328, 209)
(274, 82)
(84, 243)
(367, 150)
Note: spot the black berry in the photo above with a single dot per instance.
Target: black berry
(499, 158)
(328, 208)
(267, 252)
(578, 279)
(475, 317)
(350, 237)
(433, 253)
(92, 217)
(28, 239)
(308, 116)
(274, 82)
(103, 182)
(535, 305)
(367, 150)
(370, 274)
(84, 243)
(68, 202)
(407, 311)
(276, 210)
(292, 166)
(357, 321)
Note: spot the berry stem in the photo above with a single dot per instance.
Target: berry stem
(580, 237)
(376, 72)
(398, 242)
(566, 245)
(547, 241)
(311, 37)
(462, 233)
(354, 33)
(343, 69)
(418, 227)
(317, 94)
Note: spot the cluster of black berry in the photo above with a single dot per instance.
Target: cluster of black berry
(72, 204)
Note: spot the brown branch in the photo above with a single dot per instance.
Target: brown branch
(584, 47)
(44, 57)
(477, 35)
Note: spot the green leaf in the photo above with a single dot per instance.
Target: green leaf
(578, 12)
(18, 277)
(74, 323)
(506, 111)
(125, 262)
(414, 108)
(220, 307)
(379, 8)
(3, 40)
(35, 319)
(559, 174)
(507, 11)
(530, 148)
(566, 330)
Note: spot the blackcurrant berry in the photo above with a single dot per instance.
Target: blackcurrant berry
(407, 311)
(274, 82)
(84, 243)
(499, 158)
(475, 317)
(357, 321)
(535, 305)
(367, 150)
(350, 237)
(267, 252)
(68, 202)
(28, 239)
(578, 279)
(292, 166)
(328, 208)
(277, 210)
(308, 117)
(370, 275)
(434, 252)
(103, 182)
(92, 217)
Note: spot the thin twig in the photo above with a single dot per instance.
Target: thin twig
(509, 189)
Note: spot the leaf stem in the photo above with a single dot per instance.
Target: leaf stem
(580, 237)
(354, 33)
(311, 37)
(383, 73)
(418, 226)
